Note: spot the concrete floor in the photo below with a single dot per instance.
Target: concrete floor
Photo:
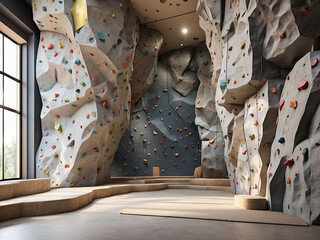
(101, 220)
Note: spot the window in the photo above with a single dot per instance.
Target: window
(10, 108)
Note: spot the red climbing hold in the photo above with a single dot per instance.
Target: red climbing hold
(303, 85)
(314, 62)
(304, 11)
(289, 163)
(281, 104)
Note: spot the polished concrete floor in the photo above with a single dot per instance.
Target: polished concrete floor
(101, 220)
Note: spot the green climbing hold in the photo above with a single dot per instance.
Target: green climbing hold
(305, 154)
(251, 136)
(58, 127)
(281, 140)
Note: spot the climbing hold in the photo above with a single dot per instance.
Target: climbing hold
(305, 154)
(101, 37)
(288, 181)
(113, 16)
(303, 85)
(293, 104)
(282, 35)
(281, 140)
(58, 127)
(251, 136)
(281, 104)
(223, 85)
(289, 163)
(314, 62)
(77, 61)
(304, 11)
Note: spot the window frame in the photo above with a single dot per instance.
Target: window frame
(19, 112)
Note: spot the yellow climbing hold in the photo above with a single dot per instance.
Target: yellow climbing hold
(79, 14)
(113, 16)
(60, 45)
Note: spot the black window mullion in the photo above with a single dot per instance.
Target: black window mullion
(2, 108)
(20, 117)
(9, 76)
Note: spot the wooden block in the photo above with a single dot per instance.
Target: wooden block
(156, 171)
(197, 172)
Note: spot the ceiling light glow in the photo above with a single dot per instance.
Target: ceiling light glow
(184, 30)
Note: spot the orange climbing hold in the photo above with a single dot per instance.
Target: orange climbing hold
(293, 104)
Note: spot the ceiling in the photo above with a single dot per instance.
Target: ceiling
(170, 18)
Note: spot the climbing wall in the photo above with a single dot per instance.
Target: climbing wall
(261, 41)
(145, 62)
(293, 174)
(84, 64)
(162, 132)
(212, 160)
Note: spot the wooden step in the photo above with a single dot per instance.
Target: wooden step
(201, 187)
(18, 188)
(211, 181)
(62, 200)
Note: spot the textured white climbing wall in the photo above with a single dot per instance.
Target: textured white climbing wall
(212, 159)
(294, 150)
(259, 44)
(83, 69)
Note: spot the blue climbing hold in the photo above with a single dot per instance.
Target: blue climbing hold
(223, 85)
(101, 37)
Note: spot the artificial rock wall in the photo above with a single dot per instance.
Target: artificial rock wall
(267, 98)
(84, 66)
(162, 132)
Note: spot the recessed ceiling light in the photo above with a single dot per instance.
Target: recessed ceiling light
(181, 44)
(184, 30)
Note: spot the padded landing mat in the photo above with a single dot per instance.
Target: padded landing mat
(218, 213)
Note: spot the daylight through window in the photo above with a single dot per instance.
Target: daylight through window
(10, 108)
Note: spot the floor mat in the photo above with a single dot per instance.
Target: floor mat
(221, 211)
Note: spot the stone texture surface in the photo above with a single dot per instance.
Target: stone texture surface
(259, 44)
(294, 158)
(162, 132)
(184, 82)
(145, 62)
(84, 84)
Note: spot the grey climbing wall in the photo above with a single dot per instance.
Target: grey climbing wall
(162, 132)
